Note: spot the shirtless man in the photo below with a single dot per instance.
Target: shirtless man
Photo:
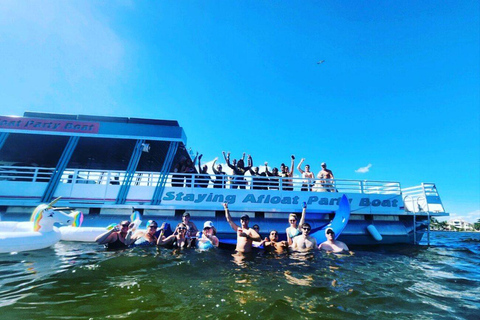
(220, 180)
(245, 235)
(307, 175)
(332, 245)
(304, 242)
(326, 174)
(273, 245)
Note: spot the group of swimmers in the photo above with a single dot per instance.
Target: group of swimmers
(187, 235)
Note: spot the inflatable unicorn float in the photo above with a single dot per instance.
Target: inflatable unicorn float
(39, 232)
(88, 234)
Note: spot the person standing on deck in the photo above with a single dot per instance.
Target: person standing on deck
(308, 176)
(325, 174)
(287, 175)
(219, 182)
(245, 235)
(203, 178)
(239, 169)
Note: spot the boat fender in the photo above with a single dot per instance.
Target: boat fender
(374, 232)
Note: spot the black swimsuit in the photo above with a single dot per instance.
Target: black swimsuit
(116, 245)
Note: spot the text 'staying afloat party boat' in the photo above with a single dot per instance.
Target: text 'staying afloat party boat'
(104, 166)
(38, 233)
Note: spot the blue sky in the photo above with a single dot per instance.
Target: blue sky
(399, 88)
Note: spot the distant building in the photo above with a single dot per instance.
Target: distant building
(460, 224)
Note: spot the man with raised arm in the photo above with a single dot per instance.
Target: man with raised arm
(308, 176)
(220, 179)
(245, 235)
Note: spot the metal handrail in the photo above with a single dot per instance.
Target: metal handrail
(193, 180)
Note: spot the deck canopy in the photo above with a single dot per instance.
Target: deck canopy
(106, 143)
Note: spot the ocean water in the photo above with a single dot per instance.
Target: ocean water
(83, 281)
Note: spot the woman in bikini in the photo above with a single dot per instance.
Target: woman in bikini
(176, 240)
(294, 229)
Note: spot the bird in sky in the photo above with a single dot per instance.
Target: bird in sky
(321, 61)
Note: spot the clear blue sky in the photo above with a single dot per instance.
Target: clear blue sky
(399, 88)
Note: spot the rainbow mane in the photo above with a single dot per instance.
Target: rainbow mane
(77, 222)
(37, 216)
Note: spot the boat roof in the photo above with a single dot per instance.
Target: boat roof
(94, 126)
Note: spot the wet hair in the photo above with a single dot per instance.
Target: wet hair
(306, 224)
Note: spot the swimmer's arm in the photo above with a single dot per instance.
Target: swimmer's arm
(254, 235)
(289, 240)
(229, 218)
(132, 237)
(166, 240)
(105, 237)
(302, 219)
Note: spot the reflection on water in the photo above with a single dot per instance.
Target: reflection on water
(82, 281)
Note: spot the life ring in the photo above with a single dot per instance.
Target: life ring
(37, 234)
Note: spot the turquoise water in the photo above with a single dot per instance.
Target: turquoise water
(82, 281)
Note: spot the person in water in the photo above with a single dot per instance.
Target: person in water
(208, 238)
(144, 238)
(294, 229)
(332, 245)
(304, 242)
(115, 238)
(257, 244)
(191, 228)
(245, 235)
(272, 244)
(176, 240)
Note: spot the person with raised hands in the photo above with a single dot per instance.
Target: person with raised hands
(294, 229)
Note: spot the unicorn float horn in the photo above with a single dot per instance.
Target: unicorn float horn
(51, 204)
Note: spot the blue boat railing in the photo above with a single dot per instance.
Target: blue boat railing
(195, 180)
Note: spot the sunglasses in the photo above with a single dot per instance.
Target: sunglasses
(256, 228)
(153, 226)
(273, 233)
(125, 225)
(207, 228)
(330, 232)
(308, 229)
(182, 229)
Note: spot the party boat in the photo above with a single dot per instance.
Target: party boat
(105, 166)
